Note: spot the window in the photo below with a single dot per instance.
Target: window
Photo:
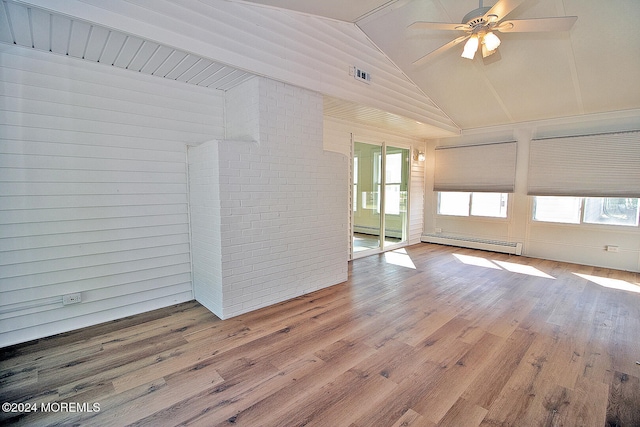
(393, 178)
(453, 203)
(611, 210)
(473, 204)
(489, 204)
(589, 210)
(557, 209)
(395, 200)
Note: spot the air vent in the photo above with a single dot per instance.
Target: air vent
(361, 75)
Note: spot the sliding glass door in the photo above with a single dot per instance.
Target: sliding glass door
(380, 197)
(396, 195)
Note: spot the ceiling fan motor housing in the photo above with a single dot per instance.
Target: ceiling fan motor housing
(476, 17)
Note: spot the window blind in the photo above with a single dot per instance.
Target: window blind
(606, 165)
(483, 168)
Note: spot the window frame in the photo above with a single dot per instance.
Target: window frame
(469, 216)
(582, 209)
(377, 181)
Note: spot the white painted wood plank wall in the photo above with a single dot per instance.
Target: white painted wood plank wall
(416, 214)
(303, 50)
(93, 190)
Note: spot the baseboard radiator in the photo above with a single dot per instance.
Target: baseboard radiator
(473, 243)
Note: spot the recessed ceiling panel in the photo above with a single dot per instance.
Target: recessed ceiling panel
(193, 71)
(60, 29)
(80, 32)
(97, 39)
(233, 80)
(225, 78)
(214, 76)
(129, 49)
(37, 28)
(201, 79)
(170, 63)
(41, 24)
(5, 30)
(112, 47)
(143, 55)
(20, 24)
(157, 59)
(184, 65)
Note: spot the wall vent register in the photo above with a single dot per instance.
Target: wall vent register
(360, 75)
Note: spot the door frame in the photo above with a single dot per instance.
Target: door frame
(382, 248)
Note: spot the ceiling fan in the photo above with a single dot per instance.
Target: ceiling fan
(481, 24)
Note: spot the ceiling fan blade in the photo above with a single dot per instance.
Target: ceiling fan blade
(562, 23)
(441, 49)
(501, 9)
(420, 25)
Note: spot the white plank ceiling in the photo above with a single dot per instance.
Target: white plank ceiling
(220, 44)
(36, 28)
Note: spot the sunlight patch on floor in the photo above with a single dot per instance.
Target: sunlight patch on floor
(523, 269)
(477, 261)
(399, 257)
(502, 265)
(608, 282)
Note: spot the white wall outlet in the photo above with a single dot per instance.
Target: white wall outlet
(72, 298)
(612, 248)
(438, 230)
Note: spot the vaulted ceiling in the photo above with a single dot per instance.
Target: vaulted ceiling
(593, 68)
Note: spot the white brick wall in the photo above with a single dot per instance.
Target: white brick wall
(204, 206)
(242, 112)
(283, 201)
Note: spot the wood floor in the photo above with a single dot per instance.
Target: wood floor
(432, 336)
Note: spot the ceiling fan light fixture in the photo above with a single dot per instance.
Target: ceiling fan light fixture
(491, 41)
(470, 47)
(481, 24)
(486, 52)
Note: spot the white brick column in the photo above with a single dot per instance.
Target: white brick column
(282, 202)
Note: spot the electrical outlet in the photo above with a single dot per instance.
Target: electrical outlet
(612, 248)
(438, 230)
(71, 298)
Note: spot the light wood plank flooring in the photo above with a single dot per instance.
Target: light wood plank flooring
(425, 336)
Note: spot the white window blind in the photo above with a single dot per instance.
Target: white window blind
(606, 165)
(482, 168)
